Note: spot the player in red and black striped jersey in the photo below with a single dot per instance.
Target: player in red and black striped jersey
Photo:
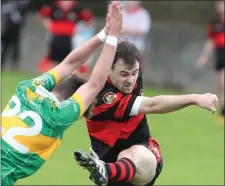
(215, 41)
(60, 19)
(118, 127)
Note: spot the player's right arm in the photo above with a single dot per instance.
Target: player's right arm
(167, 103)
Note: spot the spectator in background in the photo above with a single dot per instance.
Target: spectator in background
(136, 25)
(13, 13)
(215, 41)
(60, 20)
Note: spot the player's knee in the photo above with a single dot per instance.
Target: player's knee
(144, 161)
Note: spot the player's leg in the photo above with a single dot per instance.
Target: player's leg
(142, 159)
(145, 163)
(148, 161)
(120, 171)
(140, 164)
(136, 165)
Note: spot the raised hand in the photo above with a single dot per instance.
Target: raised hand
(114, 19)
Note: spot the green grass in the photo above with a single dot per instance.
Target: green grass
(192, 143)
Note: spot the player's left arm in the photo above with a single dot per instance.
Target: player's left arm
(166, 104)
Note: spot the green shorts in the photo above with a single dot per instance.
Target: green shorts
(15, 166)
(8, 172)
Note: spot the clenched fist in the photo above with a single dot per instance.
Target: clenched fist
(207, 101)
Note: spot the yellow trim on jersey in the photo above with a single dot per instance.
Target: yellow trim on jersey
(55, 74)
(80, 101)
(39, 144)
(31, 95)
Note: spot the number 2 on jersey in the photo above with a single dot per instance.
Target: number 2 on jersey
(10, 134)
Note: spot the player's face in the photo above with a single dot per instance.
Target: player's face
(220, 7)
(124, 78)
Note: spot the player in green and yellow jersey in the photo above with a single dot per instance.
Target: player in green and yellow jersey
(36, 117)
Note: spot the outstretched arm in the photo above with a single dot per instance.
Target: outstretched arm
(166, 104)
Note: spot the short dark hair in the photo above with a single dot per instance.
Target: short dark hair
(68, 87)
(128, 52)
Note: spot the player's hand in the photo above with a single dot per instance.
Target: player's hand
(207, 101)
(114, 18)
(106, 28)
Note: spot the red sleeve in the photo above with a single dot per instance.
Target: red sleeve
(86, 15)
(211, 33)
(115, 106)
(45, 11)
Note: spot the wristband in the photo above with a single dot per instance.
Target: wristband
(102, 35)
(112, 40)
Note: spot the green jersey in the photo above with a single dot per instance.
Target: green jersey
(33, 123)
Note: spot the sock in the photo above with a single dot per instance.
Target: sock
(122, 170)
